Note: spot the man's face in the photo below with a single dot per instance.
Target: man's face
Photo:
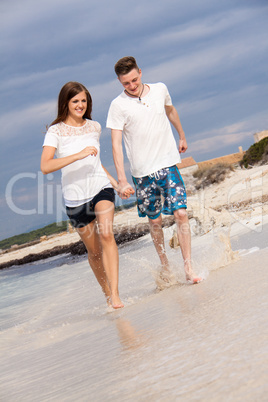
(132, 82)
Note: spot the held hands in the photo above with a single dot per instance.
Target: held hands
(125, 190)
(183, 145)
(86, 152)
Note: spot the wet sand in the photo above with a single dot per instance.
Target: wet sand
(205, 342)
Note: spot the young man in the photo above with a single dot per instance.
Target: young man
(142, 114)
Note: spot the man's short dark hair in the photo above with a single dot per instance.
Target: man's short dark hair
(125, 65)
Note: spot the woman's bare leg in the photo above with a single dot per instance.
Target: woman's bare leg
(90, 237)
(104, 211)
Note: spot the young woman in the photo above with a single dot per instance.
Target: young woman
(87, 186)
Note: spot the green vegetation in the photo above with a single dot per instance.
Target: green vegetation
(48, 230)
(256, 154)
(125, 206)
(210, 175)
(34, 235)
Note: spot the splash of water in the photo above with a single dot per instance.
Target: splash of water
(209, 252)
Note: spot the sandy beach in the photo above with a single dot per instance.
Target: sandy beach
(207, 342)
(240, 197)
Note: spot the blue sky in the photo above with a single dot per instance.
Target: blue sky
(212, 55)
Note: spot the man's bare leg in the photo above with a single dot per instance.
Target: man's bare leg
(159, 243)
(184, 236)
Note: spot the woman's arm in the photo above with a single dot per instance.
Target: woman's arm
(127, 193)
(49, 164)
(111, 178)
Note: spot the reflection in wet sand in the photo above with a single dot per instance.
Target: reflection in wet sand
(129, 337)
(205, 342)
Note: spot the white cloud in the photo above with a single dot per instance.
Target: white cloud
(19, 15)
(208, 102)
(40, 114)
(41, 78)
(214, 45)
(235, 135)
(62, 24)
(213, 59)
(200, 29)
(219, 141)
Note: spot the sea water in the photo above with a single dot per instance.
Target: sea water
(205, 342)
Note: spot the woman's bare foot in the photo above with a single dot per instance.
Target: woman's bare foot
(108, 299)
(116, 302)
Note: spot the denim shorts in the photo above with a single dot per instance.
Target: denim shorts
(166, 183)
(84, 214)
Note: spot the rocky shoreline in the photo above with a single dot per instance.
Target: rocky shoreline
(239, 198)
(122, 234)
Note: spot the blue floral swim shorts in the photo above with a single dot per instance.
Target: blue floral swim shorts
(166, 182)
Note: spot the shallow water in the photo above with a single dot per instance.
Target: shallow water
(206, 342)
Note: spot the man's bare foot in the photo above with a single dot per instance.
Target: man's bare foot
(195, 280)
(165, 273)
(190, 276)
(164, 278)
(116, 302)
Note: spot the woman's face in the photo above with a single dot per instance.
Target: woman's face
(77, 105)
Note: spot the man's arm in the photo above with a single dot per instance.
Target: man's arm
(174, 119)
(124, 189)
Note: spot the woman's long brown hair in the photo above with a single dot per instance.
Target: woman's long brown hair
(67, 92)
